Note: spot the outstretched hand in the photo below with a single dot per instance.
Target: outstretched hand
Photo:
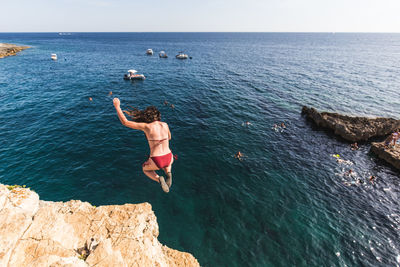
(116, 102)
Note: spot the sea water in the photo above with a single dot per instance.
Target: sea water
(286, 203)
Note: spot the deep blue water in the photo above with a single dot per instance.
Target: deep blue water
(285, 204)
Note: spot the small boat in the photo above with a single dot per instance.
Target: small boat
(131, 75)
(149, 51)
(163, 54)
(54, 56)
(181, 55)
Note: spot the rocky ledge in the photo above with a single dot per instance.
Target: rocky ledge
(74, 233)
(352, 129)
(390, 155)
(10, 49)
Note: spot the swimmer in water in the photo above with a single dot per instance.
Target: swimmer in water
(110, 93)
(372, 179)
(354, 146)
(357, 182)
(275, 127)
(172, 106)
(158, 135)
(90, 99)
(165, 103)
(283, 125)
(238, 155)
(349, 173)
(342, 161)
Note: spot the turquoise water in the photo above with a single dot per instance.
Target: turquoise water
(285, 204)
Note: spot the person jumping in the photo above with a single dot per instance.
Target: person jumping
(158, 136)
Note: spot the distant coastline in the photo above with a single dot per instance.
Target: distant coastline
(10, 49)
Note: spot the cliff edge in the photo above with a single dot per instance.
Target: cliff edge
(10, 49)
(74, 233)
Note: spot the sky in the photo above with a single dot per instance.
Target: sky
(200, 16)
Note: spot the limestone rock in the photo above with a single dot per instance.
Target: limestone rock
(352, 128)
(390, 155)
(56, 261)
(75, 233)
(10, 49)
(17, 207)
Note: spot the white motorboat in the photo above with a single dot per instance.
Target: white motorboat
(149, 51)
(181, 55)
(54, 56)
(131, 75)
(163, 54)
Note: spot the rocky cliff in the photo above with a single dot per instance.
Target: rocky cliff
(390, 155)
(75, 233)
(352, 128)
(10, 49)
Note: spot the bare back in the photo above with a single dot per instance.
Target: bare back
(158, 136)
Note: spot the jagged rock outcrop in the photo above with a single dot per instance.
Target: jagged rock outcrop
(390, 155)
(75, 233)
(10, 49)
(352, 128)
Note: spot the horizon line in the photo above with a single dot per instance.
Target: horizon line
(195, 32)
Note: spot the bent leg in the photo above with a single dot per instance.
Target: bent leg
(169, 167)
(167, 171)
(149, 168)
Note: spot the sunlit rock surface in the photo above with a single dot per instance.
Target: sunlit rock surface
(75, 233)
(10, 49)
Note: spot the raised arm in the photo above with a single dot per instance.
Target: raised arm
(124, 120)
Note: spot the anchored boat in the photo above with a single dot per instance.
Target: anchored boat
(131, 75)
(54, 56)
(163, 54)
(149, 51)
(181, 55)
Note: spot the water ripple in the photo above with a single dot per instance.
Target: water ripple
(286, 203)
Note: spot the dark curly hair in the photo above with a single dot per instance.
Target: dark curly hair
(148, 115)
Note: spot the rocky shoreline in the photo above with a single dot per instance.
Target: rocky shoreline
(356, 129)
(352, 129)
(74, 233)
(390, 155)
(10, 49)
